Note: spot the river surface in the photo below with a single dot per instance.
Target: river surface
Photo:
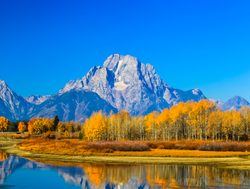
(20, 173)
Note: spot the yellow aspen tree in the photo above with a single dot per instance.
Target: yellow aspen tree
(22, 127)
(95, 128)
(245, 112)
(151, 125)
(164, 121)
(201, 114)
(237, 125)
(179, 115)
(39, 126)
(124, 119)
(215, 125)
(194, 121)
(227, 124)
(111, 129)
(4, 123)
(139, 127)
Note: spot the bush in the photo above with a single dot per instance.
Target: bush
(49, 135)
(118, 146)
(80, 135)
(161, 147)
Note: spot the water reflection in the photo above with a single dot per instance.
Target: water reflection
(124, 176)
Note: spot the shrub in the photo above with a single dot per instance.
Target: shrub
(49, 135)
(80, 135)
(161, 147)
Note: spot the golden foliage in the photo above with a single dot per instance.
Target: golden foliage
(4, 123)
(95, 128)
(22, 127)
(38, 126)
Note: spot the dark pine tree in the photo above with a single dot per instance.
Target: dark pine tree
(55, 123)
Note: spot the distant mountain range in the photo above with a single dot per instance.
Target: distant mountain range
(122, 83)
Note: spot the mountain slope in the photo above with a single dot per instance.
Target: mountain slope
(128, 84)
(72, 105)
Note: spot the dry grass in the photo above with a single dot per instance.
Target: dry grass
(181, 153)
(143, 149)
(201, 145)
(11, 135)
(74, 146)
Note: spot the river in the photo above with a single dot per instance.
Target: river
(19, 173)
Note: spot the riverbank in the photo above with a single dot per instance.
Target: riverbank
(236, 160)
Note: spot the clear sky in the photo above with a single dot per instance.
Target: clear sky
(192, 44)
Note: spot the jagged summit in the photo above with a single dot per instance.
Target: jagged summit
(12, 106)
(115, 62)
(3, 83)
(4, 88)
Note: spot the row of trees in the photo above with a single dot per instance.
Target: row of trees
(192, 120)
(38, 126)
(185, 121)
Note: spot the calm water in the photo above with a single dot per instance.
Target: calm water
(19, 173)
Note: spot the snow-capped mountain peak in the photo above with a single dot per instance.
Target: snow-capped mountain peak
(127, 83)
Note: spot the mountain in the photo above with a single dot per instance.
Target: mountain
(128, 84)
(72, 105)
(37, 99)
(12, 106)
(234, 103)
(121, 83)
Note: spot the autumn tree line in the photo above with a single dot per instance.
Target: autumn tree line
(185, 121)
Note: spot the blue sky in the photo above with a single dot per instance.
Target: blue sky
(192, 44)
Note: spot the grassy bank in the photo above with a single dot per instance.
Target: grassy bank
(138, 148)
(231, 161)
(61, 151)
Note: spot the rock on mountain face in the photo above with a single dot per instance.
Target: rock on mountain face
(37, 99)
(72, 105)
(234, 103)
(12, 106)
(128, 84)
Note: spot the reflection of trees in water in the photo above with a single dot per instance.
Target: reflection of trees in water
(3, 156)
(136, 176)
(166, 176)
